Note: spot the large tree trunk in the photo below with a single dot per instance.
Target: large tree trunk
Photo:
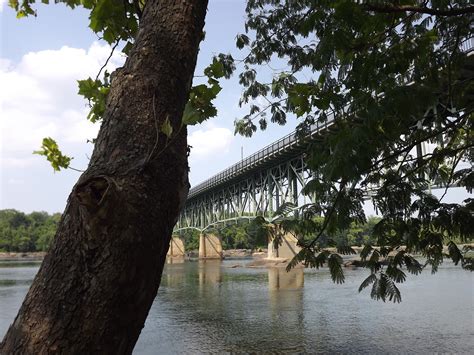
(96, 285)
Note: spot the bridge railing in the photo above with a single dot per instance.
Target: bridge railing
(283, 144)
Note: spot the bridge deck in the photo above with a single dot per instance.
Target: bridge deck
(279, 151)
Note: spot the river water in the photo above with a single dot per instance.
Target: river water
(215, 307)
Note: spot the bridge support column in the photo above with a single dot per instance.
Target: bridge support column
(176, 249)
(210, 246)
(287, 250)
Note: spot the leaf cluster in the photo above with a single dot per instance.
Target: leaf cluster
(199, 106)
(50, 149)
(113, 20)
(95, 91)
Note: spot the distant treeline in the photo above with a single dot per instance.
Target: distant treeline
(20, 232)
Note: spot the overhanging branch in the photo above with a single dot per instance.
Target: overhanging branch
(418, 9)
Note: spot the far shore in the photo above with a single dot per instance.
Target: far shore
(18, 256)
(228, 254)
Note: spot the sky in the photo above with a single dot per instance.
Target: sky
(41, 59)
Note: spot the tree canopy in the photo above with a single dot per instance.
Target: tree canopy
(387, 77)
(20, 232)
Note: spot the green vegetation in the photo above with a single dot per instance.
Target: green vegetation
(191, 239)
(245, 234)
(20, 232)
(391, 76)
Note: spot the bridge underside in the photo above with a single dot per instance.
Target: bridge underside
(258, 193)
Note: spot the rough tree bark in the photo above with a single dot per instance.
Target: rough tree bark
(96, 285)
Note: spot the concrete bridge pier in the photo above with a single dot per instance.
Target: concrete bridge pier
(287, 250)
(210, 246)
(176, 249)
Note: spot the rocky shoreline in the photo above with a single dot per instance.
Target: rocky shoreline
(36, 256)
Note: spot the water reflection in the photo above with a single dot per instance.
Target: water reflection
(175, 260)
(285, 291)
(209, 272)
(213, 307)
(280, 279)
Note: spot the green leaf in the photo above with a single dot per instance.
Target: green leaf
(215, 69)
(395, 274)
(284, 209)
(166, 128)
(370, 279)
(365, 252)
(384, 288)
(127, 48)
(334, 264)
(190, 115)
(304, 255)
(199, 106)
(345, 250)
(242, 40)
(96, 93)
(50, 149)
(454, 253)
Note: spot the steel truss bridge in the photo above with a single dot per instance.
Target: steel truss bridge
(260, 183)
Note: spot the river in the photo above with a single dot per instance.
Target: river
(215, 307)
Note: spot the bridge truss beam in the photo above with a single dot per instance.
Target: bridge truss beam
(259, 193)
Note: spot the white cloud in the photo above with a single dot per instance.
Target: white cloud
(2, 4)
(209, 141)
(38, 98)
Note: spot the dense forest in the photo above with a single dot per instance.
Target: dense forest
(20, 232)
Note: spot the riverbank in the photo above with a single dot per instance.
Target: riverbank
(36, 256)
(227, 254)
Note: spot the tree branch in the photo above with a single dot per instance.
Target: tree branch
(451, 175)
(108, 59)
(411, 145)
(328, 216)
(421, 10)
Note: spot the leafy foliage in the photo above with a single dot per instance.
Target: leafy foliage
(21, 232)
(387, 86)
(384, 288)
(95, 91)
(113, 20)
(50, 149)
(199, 106)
